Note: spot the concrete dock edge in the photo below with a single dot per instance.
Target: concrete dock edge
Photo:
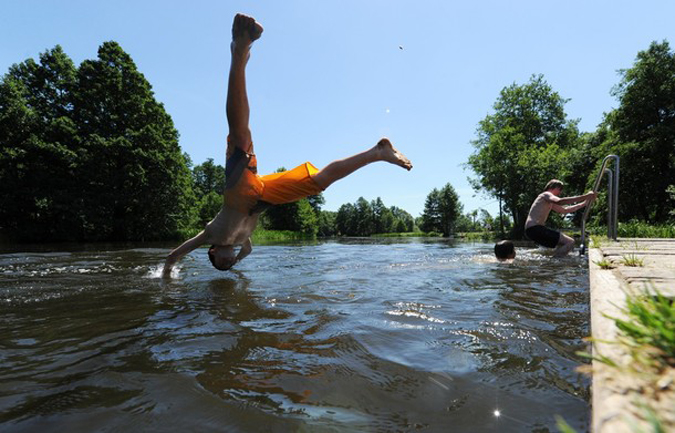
(619, 395)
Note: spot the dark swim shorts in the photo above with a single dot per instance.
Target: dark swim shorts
(543, 236)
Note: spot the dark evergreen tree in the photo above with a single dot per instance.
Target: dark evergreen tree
(88, 153)
(644, 127)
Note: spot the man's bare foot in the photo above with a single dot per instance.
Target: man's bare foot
(388, 153)
(245, 30)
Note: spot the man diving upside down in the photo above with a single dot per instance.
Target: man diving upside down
(246, 193)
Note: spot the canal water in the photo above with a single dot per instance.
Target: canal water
(355, 335)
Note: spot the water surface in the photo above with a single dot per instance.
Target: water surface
(358, 335)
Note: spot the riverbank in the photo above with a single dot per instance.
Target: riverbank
(626, 390)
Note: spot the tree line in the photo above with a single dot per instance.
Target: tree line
(89, 154)
(529, 139)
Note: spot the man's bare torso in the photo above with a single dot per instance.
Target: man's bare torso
(230, 227)
(539, 210)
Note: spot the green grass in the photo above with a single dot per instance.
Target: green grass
(477, 236)
(634, 245)
(598, 240)
(471, 236)
(402, 235)
(259, 235)
(278, 235)
(650, 326)
(604, 264)
(637, 229)
(648, 334)
(632, 260)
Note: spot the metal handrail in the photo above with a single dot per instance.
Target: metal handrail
(612, 200)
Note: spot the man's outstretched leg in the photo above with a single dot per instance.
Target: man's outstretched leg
(382, 151)
(245, 30)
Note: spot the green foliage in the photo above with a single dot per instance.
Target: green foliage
(632, 260)
(262, 235)
(88, 153)
(402, 235)
(651, 323)
(207, 207)
(525, 143)
(637, 229)
(326, 224)
(442, 210)
(208, 177)
(296, 216)
(365, 218)
(604, 264)
(644, 125)
(477, 236)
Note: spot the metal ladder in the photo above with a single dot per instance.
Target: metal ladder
(612, 200)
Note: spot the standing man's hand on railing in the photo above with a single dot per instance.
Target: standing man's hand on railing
(590, 197)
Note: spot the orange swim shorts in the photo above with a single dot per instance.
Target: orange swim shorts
(248, 192)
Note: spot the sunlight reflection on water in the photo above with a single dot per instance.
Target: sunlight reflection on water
(361, 335)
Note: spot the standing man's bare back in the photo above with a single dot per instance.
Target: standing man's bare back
(246, 193)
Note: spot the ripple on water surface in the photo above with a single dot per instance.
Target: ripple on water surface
(328, 336)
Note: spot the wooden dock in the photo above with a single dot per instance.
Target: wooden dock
(619, 395)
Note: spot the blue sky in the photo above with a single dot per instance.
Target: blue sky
(329, 78)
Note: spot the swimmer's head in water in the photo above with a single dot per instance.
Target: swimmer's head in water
(505, 250)
(222, 257)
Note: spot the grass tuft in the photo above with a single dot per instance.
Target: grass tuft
(632, 260)
(604, 264)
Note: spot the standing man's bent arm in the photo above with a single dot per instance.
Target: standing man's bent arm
(572, 200)
(182, 250)
(569, 209)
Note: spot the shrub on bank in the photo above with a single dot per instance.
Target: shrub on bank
(638, 229)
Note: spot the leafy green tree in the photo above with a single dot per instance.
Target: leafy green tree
(208, 185)
(316, 201)
(326, 223)
(39, 145)
(403, 221)
(644, 124)
(88, 153)
(346, 220)
(207, 207)
(365, 217)
(451, 209)
(383, 218)
(442, 210)
(431, 216)
(208, 177)
(522, 145)
(140, 185)
(464, 223)
(485, 220)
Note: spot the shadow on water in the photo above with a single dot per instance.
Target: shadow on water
(355, 335)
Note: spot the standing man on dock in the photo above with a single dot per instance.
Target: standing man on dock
(541, 208)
